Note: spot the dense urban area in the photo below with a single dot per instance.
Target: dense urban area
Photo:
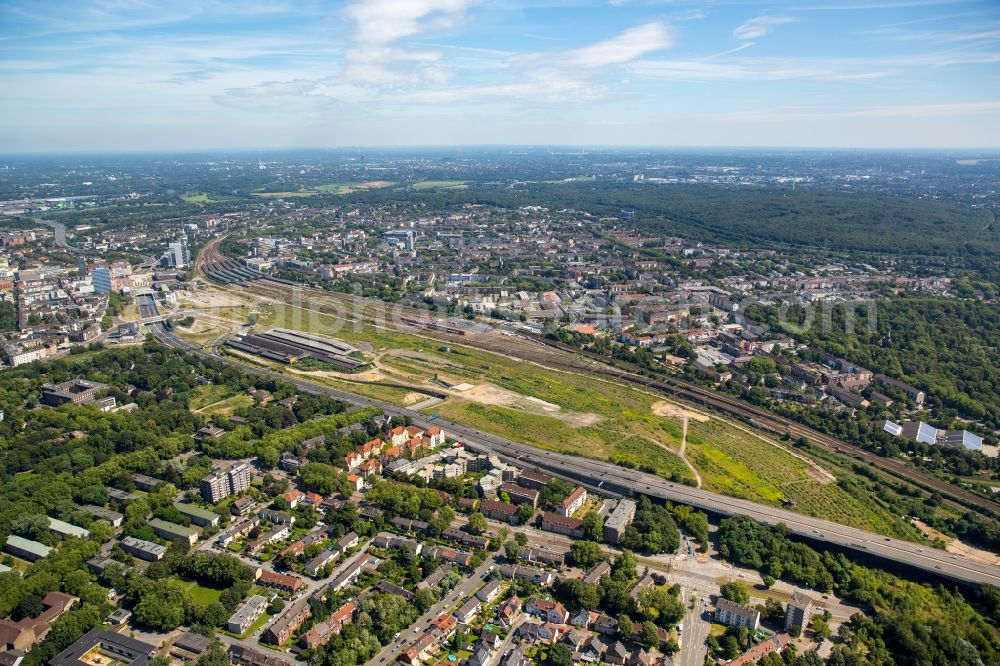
(500, 408)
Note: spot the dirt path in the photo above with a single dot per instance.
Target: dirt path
(958, 547)
(681, 451)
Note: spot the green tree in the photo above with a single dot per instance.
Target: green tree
(559, 655)
(659, 605)
(585, 554)
(477, 523)
(736, 591)
(161, 605)
(322, 478)
(648, 635)
(625, 626)
(216, 615)
(593, 526)
(624, 568)
(820, 627)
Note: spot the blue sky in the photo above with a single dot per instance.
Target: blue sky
(137, 74)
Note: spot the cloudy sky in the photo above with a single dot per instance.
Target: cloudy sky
(141, 74)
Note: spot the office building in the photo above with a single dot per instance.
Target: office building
(101, 277)
(403, 238)
(76, 391)
(177, 255)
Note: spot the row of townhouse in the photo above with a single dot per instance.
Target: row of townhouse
(321, 632)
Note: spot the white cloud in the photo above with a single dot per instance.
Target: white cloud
(755, 69)
(758, 27)
(380, 22)
(907, 111)
(629, 45)
(375, 57)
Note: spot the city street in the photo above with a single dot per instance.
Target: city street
(696, 628)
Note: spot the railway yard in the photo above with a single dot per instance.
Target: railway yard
(557, 356)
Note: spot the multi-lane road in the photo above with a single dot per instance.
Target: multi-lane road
(614, 480)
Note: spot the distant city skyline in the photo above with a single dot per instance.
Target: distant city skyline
(186, 75)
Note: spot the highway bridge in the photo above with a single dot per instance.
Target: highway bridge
(59, 229)
(615, 480)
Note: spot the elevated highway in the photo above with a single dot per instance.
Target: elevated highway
(615, 480)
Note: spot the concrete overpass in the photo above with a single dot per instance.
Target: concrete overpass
(614, 480)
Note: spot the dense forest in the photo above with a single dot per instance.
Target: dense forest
(729, 215)
(907, 623)
(947, 347)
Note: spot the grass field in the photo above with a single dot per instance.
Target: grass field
(206, 395)
(439, 185)
(228, 406)
(198, 197)
(284, 195)
(200, 333)
(200, 594)
(347, 188)
(742, 465)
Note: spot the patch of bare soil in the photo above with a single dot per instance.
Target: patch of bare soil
(421, 356)
(490, 394)
(958, 547)
(413, 398)
(214, 298)
(670, 409)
